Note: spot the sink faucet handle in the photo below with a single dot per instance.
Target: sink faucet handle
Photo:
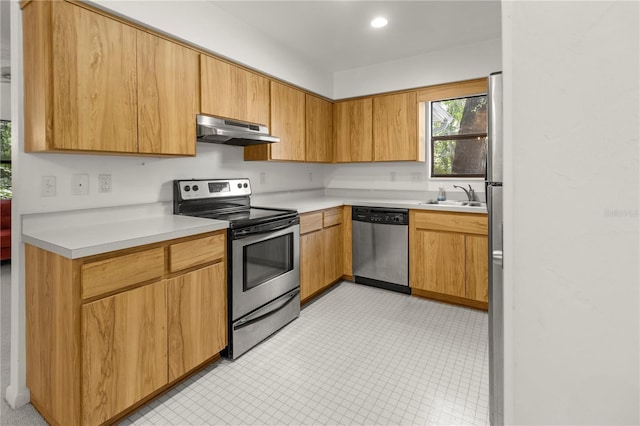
(471, 194)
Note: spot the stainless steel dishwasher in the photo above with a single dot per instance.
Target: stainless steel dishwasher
(381, 247)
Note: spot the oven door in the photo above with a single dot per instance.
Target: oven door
(264, 266)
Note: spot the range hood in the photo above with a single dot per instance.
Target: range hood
(231, 132)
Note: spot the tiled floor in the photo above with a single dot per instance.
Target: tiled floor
(357, 355)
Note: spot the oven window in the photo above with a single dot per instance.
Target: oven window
(266, 260)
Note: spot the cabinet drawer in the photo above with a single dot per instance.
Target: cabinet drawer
(332, 217)
(310, 222)
(463, 223)
(122, 271)
(196, 252)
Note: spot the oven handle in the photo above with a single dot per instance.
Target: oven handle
(238, 235)
(257, 316)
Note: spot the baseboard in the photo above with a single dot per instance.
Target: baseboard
(17, 397)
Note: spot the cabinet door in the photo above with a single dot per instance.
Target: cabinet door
(395, 128)
(438, 262)
(124, 350)
(197, 318)
(287, 122)
(311, 264)
(353, 130)
(94, 82)
(232, 92)
(333, 262)
(319, 130)
(168, 96)
(477, 268)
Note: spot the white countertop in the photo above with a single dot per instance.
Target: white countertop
(82, 233)
(79, 234)
(312, 200)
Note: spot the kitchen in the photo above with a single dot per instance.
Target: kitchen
(228, 160)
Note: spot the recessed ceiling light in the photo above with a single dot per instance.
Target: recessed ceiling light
(379, 22)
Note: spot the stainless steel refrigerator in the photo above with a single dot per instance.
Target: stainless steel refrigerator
(493, 186)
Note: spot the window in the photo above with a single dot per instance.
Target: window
(454, 123)
(458, 133)
(5, 160)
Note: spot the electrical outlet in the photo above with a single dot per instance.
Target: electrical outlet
(80, 184)
(393, 176)
(263, 178)
(416, 177)
(310, 176)
(48, 186)
(104, 183)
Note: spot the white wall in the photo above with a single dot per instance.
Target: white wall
(571, 227)
(441, 66)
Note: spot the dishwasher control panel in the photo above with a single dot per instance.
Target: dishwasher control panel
(380, 215)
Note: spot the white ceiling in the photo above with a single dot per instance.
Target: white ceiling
(336, 36)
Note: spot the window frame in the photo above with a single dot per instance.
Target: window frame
(443, 92)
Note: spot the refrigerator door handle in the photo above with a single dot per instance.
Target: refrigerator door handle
(497, 257)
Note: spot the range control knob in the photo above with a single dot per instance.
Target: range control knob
(239, 185)
(195, 187)
(187, 188)
(246, 185)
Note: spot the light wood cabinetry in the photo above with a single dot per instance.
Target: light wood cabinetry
(124, 350)
(395, 128)
(197, 318)
(233, 92)
(319, 130)
(94, 84)
(353, 130)
(106, 332)
(448, 256)
(168, 96)
(321, 251)
(287, 123)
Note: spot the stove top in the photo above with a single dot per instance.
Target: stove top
(223, 199)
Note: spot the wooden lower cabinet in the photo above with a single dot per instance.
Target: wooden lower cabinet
(93, 355)
(124, 350)
(311, 264)
(448, 256)
(321, 251)
(440, 266)
(197, 318)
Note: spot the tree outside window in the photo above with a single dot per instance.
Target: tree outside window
(5, 160)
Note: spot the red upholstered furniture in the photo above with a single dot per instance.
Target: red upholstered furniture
(5, 229)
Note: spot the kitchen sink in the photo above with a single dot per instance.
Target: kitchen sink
(455, 203)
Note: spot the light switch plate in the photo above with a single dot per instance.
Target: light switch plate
(80, 184)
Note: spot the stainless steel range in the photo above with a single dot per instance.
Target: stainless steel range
(263, 247)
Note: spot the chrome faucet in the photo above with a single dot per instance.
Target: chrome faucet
(471, 194)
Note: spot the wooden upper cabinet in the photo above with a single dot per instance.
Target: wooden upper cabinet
(319, 130)
(168, 96)
(395, 128)
(287, 122)
(93, 73)
(95, 84)
(353, 130)
(233, 92)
